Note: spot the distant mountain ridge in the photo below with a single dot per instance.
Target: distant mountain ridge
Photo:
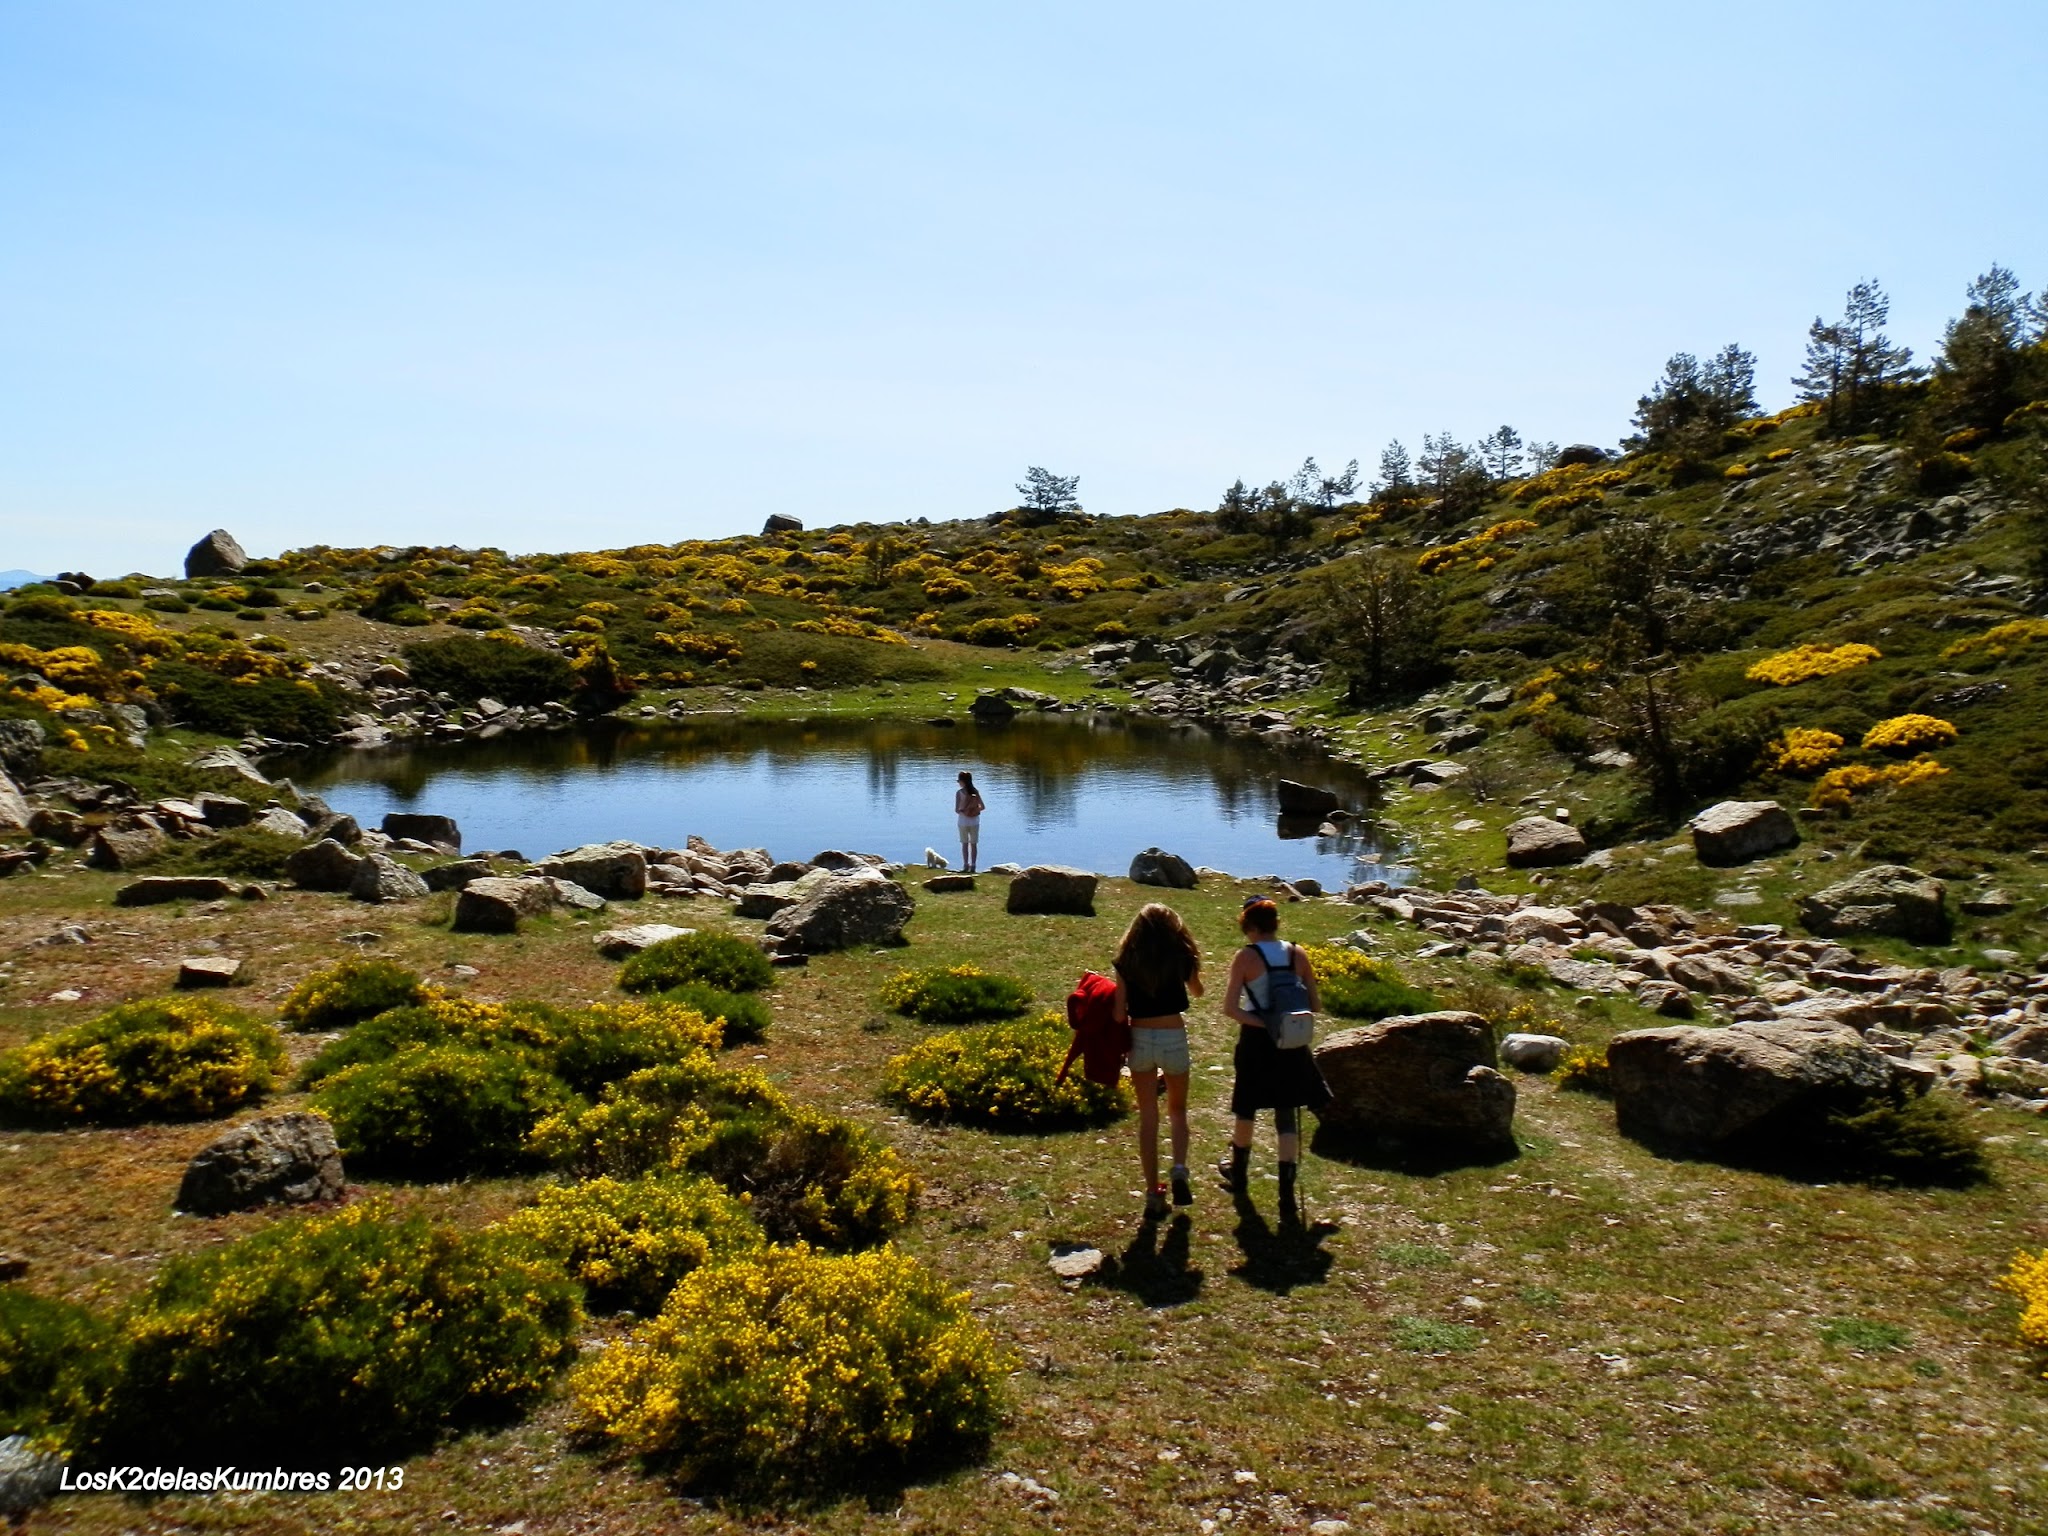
(9, 580)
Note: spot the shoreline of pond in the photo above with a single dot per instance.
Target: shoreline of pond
(1043, 762)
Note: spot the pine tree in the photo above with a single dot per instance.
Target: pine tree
(1454, 475)
(1729, 380)
(1397, 475)
(1282, 517)
(1380, 622)
(1875, 365)
(1715, 394)
(1673, 401)
(1501, 450)
(1820, 382)
(1322, 492)
(1234, 513)
(1332, 491)
(1440, 459)
(1852, 367)
(1978, 371)
(1047, 496)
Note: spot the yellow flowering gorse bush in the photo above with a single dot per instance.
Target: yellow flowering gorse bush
(1838, 787)
(359, 1330)
(1567, 501)
(806, 1175)
(1999, 642)
(179, 1058)
(1805, 662)
(2028, 1280)
(1908, 733)
(631, 1240)
(1004, 1075)
(954, 994)
(797, 1370)
(1444, 556)
(1802, 750)
(347, 993)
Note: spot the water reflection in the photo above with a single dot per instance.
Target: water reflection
(1060, 789)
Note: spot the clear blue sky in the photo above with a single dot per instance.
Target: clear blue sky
(549, 276)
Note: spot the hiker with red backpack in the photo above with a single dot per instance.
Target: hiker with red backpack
(1158, 969)
(1271, 994)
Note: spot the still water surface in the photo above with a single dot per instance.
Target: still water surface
(1059, 790)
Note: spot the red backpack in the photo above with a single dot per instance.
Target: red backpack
(1101, 1039)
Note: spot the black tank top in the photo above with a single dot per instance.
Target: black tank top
(1153, 1005)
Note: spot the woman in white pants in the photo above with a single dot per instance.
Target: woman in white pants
(967, 809)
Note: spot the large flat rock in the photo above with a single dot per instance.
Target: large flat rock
(1536, 842)
(1736, 831)
(1428, 1078)
(1690, 1088)
(1052, 889)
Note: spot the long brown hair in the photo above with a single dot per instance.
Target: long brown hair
(1157, 950)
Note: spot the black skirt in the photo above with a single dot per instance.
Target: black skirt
(1270, 1078)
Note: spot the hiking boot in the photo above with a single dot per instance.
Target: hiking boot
(1183, 1192)
(1290, 1205)
(1155, 1203)
(1235, 1170)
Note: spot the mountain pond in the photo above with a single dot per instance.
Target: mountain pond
(1089, 792)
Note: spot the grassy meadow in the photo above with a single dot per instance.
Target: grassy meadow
(1584, 1337)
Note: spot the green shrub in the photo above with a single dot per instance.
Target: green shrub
(54, 1360)
(350, 992)
(585, 1047)
(1941, 472)
(247, 852)
(1355, 986)
(1914, 1140)
(160, 1059)
(630, 1241)
(810, 1177)
(1584, 1070)
(655, 1121)
(740, 1016)
(590, 1047)
(956, 994)
(288, 708)
(720, 960)
(516, 1028)
(1002, 1075)
(335, 1336)
(798, 1373)
(472, 669)
(436, 1111)
(806, 1176)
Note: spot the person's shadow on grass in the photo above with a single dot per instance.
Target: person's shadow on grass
(1279, 1258)
(1154, 1267)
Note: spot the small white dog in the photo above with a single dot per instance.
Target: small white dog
(935, 860)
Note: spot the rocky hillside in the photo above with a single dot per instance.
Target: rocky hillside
(1846, 625)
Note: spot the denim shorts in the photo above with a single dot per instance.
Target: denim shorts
(1159, 1050)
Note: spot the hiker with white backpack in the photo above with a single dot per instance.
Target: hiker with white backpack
(1272, 996)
